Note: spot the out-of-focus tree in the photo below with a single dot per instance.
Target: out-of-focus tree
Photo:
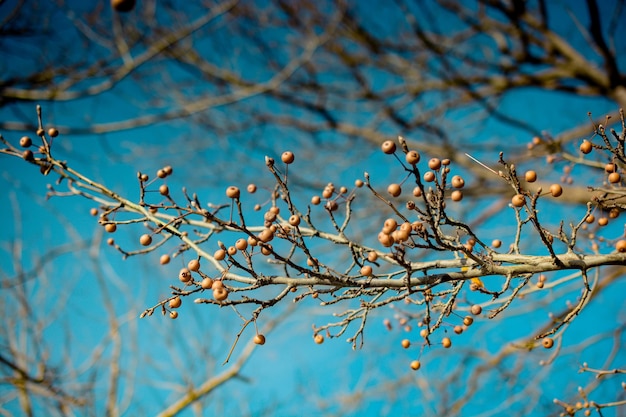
(337, 78)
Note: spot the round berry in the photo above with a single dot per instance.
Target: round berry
(366, 270)
(145, 239)
(173, 315)
(476, 309)
(288, 157)
(530, 176)
(220, 293)
(496, 243)
(446, 342)
(53, 133)
(518, 200)
(614, 178)
(241, 244)
(556, 190)
(294, 220)
(394, 189)
(456, 195)
(164, 189)
(412, 157)
(165, 259)
(586, 147)
(259, 339)
(251, 188)
(621, 246)
(232, 192)
(417, 192)
(316, 200)
(458, 181)
(468, 320)
(110, 227)
(175, 302)
(610, 167)
(429, 176)
(415, 365)
(184, 275)
(547, 342)
(388, 147)
(319, 339)
(193, 265)
(434, 164)
(168, 169)
(406, 343)
(25, 142)
(219, 254)
(207, 283)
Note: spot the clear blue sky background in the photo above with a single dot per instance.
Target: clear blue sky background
(290, 375)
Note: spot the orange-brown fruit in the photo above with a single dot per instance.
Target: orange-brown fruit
(446, 342)
(287, 157)
(207, 283)
(518, 200)
(259, 339)
(145, 239)
(603, 221)
(556, 190)
(586, 147)
(25, 142)
(173, 315)
(434, 164)
(406, 343)
(122, 6)
(53, 133)
(415, 365)
(372, 256)
(394, 189)
(184, 275)
(194, 265)
(366, 270)
(294, 220)
(219, 254)
(233, 192)
(429, 176)
(110, 227)
(385, 239)
(319, 339)
(241, 244)
(614, 178)
(476, 309)
(412, 157)
(530, 176)
(456, 195)
(468, 320)
(458, 181)
(175, 302)
(621, 246)
(388, 147)
(547, 342)
(165, 259)
(251, 188)
(219, 293)
(164, 189)
(496, 243)
(458, 329)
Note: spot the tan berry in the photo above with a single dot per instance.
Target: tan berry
(266, 235)
(385, 239)
(417, 192)
(434, 164)
(388, 147)
(175, 302)
(294, 220)
(603, 221)
(458, 329)
(406, 343)
(476, 309)
(446, 342)
(372, 256)
(219, 254)
(193, 265)
(53, 133)
(390, 225)
(164, 189)
(468, 320)
(232, 192)
(251, 188)
(110, 227)
(429, 176)
(220, 293)
(424, 333)
(530, 176)
(586, 147)
(110, 241)
(161, 173)
(518, 200)
(25, 142)
(412, 157)
(456, 195)
(288, 157)
(556, 190)
(93, 211)
(366, 270)
(358, 183)
(184, 275)
(547, 342)
(168, 169)
(173, 315)
(621, 246)
(614, 213)
(319, 339)
(145, 239)
(123, 5)
(164, 259)
(496, 243)
(241, 244)
(590, 218)
(27, 155)
(458, 181)
(331, 205)
(394, 189)
(610, 167)
(207, 283)
(266, 249)
(415, 365)
(614, 178)
(259, 339)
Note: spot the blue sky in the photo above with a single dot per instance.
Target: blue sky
(77, 292)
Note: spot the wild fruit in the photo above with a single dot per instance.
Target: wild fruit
(173, 315)
(518, 200)
(456, 195)
(385, 239)
(241, 244)
(207, 283)
(412, 157)
(476, 309)
(394, 189)
(287, 157)
(193, 265)
(259, 339)
(233, 192)
(458, 181)
(388, 147)
(168, 169)
(406, 343)
(415, 365)
(294, 220)
(219, 293)
(145, 239)
(530, 176)
(175, 302)
(251, 188)
(429, 176)
(184, 275)
(621, 246)
(586, 147)
(110, 227)
(366, 270)
(164, 259)
(547, 342)
(123, 5)
(319, 339)
(53, 133)
(446, 342)
(164, 190)
(434, 164)
(468, 320)
(496, 243)
(614, 178)
(25, 142)
(556, 190)
(219, 254)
